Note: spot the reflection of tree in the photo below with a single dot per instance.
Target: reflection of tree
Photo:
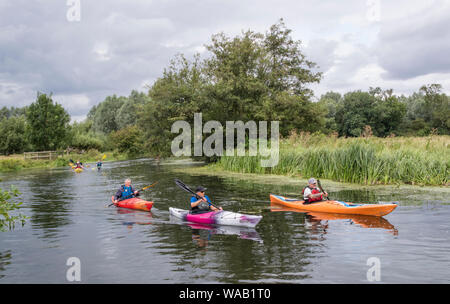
(52, 194)
(282, 254)
(5, 259)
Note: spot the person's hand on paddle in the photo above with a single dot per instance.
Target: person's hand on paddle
(325, 194)
(216, 209)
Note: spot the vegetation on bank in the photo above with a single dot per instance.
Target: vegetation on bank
(409, 160)
(8, 220)
(16, 162)
(250, 77)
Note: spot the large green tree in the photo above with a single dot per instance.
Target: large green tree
(47, 123)
(252, 76)
(14, 139)
(262, 77)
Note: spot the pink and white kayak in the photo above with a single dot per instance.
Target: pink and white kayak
(217, 218)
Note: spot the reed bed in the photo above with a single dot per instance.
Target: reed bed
(409, 160)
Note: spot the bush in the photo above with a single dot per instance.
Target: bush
(86, 142)
(128, 140)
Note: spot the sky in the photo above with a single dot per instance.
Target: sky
(83, 50)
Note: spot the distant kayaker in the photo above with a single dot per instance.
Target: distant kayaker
(125, 191)
(311, 193)
(203, 204)
(79, 165)
(99, 164)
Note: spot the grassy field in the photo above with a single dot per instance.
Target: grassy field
(395, 160)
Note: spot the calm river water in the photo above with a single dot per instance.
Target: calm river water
(69, 217)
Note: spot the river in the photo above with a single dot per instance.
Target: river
(70, 217)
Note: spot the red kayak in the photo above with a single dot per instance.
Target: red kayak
(134, 203)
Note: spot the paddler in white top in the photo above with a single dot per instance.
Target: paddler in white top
(311, 193)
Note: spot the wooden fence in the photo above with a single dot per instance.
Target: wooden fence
(43, 155)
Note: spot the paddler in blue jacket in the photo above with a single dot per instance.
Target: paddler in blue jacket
(202, 204)
(125, 192)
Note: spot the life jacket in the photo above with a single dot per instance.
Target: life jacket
(127, 191)
(313, 191)
(202, 207)
(78, 165)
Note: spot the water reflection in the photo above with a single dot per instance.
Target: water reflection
(135, 217)
(318, 222)
(203, 232)
(50, 199)
(5, 260)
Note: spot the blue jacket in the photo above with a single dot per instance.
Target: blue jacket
(121, 191)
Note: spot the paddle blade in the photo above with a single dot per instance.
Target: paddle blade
(184, 187)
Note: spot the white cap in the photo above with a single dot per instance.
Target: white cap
(312, 180)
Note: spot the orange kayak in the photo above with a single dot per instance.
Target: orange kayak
(134, 203)
(365, 221)
(335, 206)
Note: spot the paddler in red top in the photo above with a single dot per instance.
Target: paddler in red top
(79, 165)
(311, 193)
(125, 192)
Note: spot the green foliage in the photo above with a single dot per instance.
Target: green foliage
(128, 112)
(105, 115)
(14, 139)
(7, 220)
(356, 160)
(47, 123)
(249, 77)
(128, 140)
(378, 109)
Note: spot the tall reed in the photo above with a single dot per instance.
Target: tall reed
(422, 161)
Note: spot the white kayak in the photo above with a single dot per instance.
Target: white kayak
(217, 218)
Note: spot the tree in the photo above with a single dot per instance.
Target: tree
(47, 123)
(128, 140)
(128, 112)
(389, 112)
(105, 114)
(262, 77)
(330, 102)
(14, 139)
(356, 112)
(177, 95)
(438, 108)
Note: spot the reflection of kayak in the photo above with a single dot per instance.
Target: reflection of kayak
(335, 206)
(365, 221)
(134, 203)
(242, 232)
(78, 170)
(217, 217)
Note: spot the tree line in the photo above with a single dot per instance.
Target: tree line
(252, 76)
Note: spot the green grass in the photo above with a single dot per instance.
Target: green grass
(422, 161)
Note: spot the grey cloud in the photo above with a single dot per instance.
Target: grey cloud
(119, 44)
(417, 45)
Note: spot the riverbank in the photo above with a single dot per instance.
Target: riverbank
(292, 185)
(17, 162)
(367, 161)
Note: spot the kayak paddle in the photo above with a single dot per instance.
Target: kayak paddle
(187, 189)
(124, 198)
(321, 189)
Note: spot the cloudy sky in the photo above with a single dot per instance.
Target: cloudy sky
(117, 46)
